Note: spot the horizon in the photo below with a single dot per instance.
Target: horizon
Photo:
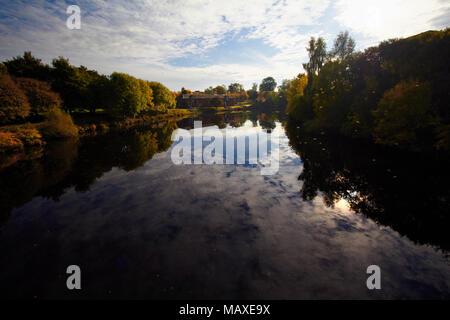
(169, 43)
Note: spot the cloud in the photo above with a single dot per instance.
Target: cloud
(143, 37)
(385, 19)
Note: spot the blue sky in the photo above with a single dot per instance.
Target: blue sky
(195, 44)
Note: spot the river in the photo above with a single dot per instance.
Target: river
(140, 226)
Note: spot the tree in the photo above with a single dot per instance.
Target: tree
(209, 90)
(39, 95)
(235, 88)
(28, 67)
(185, 91)
(68, 83)
(162, 97)
(100, 91)
(13, 102)
(285, 84)
(396, 93)
(344, 45)
(220, 90)
(243, 96)
(145, 96)
(332, 102)
(403, 112)
(253, 92)
(295, 92)
(78, 87)
(268, 84)
(317, 53)
(131, 96)
(282, 92)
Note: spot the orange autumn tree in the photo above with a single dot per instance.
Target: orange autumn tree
(13, 102)
(40, 96)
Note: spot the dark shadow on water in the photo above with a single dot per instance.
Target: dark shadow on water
(406, 191)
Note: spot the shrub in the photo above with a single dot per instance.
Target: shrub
(29, 137)
(18, 137)
(9, 142)
(58, 124)
(13, 102)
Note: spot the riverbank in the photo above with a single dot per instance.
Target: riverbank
(97, 123)
(21, 138)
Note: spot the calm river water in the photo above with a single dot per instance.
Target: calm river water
(140, 226)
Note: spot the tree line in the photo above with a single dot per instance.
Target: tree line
(29, 86)
(264, 94)
(395, 93)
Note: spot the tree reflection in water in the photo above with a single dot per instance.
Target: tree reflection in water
(406, 191)
(72, 163)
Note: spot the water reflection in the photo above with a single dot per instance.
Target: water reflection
(406, 191)
(264, 118)
(141, 227)
(72, 163)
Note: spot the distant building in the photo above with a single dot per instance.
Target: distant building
(205, 100)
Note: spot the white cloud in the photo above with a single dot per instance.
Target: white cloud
(141, 37)
(385, 19)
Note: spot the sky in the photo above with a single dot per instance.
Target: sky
(196, 44)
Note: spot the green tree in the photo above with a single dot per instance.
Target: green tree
(253, 92)
(209, 90)
(162, 97)
(285, 84)
(220, 90)
(317, 53)
(235, 88)
(101, 93)
(131, 96)
(344, 45)
(28, 67)
(332, 101)
(396, 93)
(403, 113)
(282, 92)
(268, 84)
(68, 83)
(78, 86)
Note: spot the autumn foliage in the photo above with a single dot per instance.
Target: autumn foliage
(39, 94)
(395, 93)
(13, 102)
